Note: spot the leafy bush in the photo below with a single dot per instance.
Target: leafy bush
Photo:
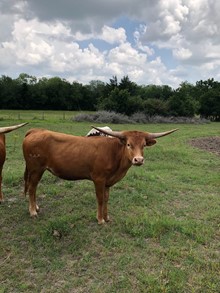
(155, 107)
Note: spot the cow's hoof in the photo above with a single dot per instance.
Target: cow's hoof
(107, 219)
(33, 214)
(101, 222)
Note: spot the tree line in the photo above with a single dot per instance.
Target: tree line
(124, 96)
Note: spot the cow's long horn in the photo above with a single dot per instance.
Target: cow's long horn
(160, 134)
(110, 132)
(10, 128)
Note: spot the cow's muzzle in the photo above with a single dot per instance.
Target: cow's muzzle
(138, 161)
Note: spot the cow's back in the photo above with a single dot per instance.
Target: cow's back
(71, 157)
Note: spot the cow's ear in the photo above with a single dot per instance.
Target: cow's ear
(150, 142)
(123, 140)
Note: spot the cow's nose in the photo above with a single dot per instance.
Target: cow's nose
(138, 161)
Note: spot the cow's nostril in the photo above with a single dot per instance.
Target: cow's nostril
(138, 160)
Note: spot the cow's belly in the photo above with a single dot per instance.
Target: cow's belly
(69, 172)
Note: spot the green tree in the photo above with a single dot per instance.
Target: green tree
(126, 84)
(26, 83)
(26, 78)
(208, 94)
(182, 102)
(155, 107)
(163, 92)
(134, 105)
(10, 93)
(210, 104)
(94, 93)
(58, 92)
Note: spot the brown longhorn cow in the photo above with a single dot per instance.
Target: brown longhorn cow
(3, 150)
(101, 159)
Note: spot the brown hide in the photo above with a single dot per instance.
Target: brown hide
(101, 159)
(3, 150)
(2, 160)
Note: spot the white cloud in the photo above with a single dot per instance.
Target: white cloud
(27, 46)
(78, 36)
(63, 38)
(125, 54)
(182, 53)
(108, 34)
(112, 35)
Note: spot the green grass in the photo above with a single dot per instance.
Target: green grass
(164, 234)
(32, 115)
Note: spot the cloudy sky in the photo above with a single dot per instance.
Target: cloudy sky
(151, 41)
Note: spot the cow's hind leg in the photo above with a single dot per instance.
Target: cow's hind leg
(33, 180)
(26, 181)
(105, 206)
(1, 194)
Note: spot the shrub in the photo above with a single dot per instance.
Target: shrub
(174, 119)
(139, 117)
(104, 117)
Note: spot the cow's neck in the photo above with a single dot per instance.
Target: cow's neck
(123, 165)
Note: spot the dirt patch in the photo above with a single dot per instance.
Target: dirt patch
(210, 144)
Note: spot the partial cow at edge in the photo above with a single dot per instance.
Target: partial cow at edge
(101, 159)
(3, 150)
(96, 132)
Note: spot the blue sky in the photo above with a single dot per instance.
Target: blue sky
(153, 42)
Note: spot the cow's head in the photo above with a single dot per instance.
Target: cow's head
(135, 142)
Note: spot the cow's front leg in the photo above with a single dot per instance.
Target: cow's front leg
(105, 207)
(100, 190)
(1, 194)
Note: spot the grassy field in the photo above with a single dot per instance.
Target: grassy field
(31, 115)
(164, 234)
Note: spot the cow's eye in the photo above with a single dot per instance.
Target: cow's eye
(128, 145)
